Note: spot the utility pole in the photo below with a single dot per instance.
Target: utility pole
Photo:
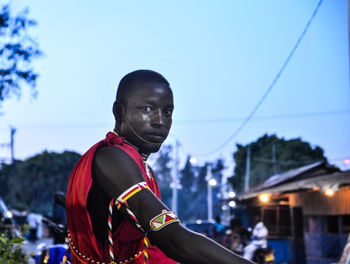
(210, 194)
(175, 178)
(14, 176)
(274, 161)
(247, 170)
(12, 143)
(349, 39)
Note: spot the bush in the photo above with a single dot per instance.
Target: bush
(11, 251)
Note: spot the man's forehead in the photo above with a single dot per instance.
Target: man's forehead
(148, 85)
(145, 89)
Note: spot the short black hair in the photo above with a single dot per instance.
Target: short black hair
(127, 82)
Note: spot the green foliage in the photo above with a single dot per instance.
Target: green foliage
(17, 49)
(193, 194)
(289, 154)
(11, 251)
(192, 198)
(32, 182)
(163, 172)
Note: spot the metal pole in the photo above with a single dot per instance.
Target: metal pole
(14, 187)
(349, 37)
(12, 143)
(247, 170)
(210, 195)
(175, 178)
(274, 160)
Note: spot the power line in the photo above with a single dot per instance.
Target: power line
(181, 122)
(272, 84)
(284, 162)
(263, 117)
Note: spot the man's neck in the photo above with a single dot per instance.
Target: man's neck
(143, 155)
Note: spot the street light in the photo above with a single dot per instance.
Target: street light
(193, 160)
(264, 197)
(232, 204)
(329, 192)
(212, 182)
(232, 194)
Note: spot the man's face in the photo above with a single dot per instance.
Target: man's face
(149, 112)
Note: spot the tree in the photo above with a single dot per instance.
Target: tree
(17, 49)
(162, 171)
(194, 192)
(31, 183)
(270, 155)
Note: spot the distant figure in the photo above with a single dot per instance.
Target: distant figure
(59, 217)
(258, 240)
(236, 224)
(233, 241)
(218, 230)
(34, 221)
(345, 258)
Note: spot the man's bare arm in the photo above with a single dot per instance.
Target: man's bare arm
(118, 172)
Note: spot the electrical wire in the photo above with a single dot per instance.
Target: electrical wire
(271, 85)
(180, 122)
(220, 120)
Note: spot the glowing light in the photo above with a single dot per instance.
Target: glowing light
(198, 221)
(193, 160)
(224, 207)
(231, 194)
(9, 214)
(212, 182)
(264, 197)
(346, 161)
(329, 192)
(232, 204)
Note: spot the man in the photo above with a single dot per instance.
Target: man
(259, 239)
(114, 210)
(34, 222)
(58, 217)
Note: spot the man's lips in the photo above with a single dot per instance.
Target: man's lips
(156, 137)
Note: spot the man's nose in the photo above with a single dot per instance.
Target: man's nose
(158, 118)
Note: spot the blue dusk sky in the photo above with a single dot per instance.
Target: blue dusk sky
(220, 58)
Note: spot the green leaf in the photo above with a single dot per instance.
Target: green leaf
(2, 240)
(17, 240)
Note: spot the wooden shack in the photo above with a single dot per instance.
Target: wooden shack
(307, 212)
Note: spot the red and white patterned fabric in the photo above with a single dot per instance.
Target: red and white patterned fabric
(128, 240)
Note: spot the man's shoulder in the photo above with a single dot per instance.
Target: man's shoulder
(112, 159)
(114, 151)
(111, 156)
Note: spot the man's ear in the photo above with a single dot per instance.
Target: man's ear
(117, 111)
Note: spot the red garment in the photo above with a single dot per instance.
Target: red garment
(127, 239)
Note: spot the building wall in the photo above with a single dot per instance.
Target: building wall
(316, 203)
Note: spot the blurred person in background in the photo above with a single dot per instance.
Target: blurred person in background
(258, 239)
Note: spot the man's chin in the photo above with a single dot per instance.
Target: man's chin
(150, 148)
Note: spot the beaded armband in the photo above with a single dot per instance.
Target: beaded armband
(122, 200)
(163, 219)
(125, 196)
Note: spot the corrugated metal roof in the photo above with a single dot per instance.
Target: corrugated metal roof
(292, 180)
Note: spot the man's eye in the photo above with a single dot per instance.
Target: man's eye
(146, 108)
(168, 112)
